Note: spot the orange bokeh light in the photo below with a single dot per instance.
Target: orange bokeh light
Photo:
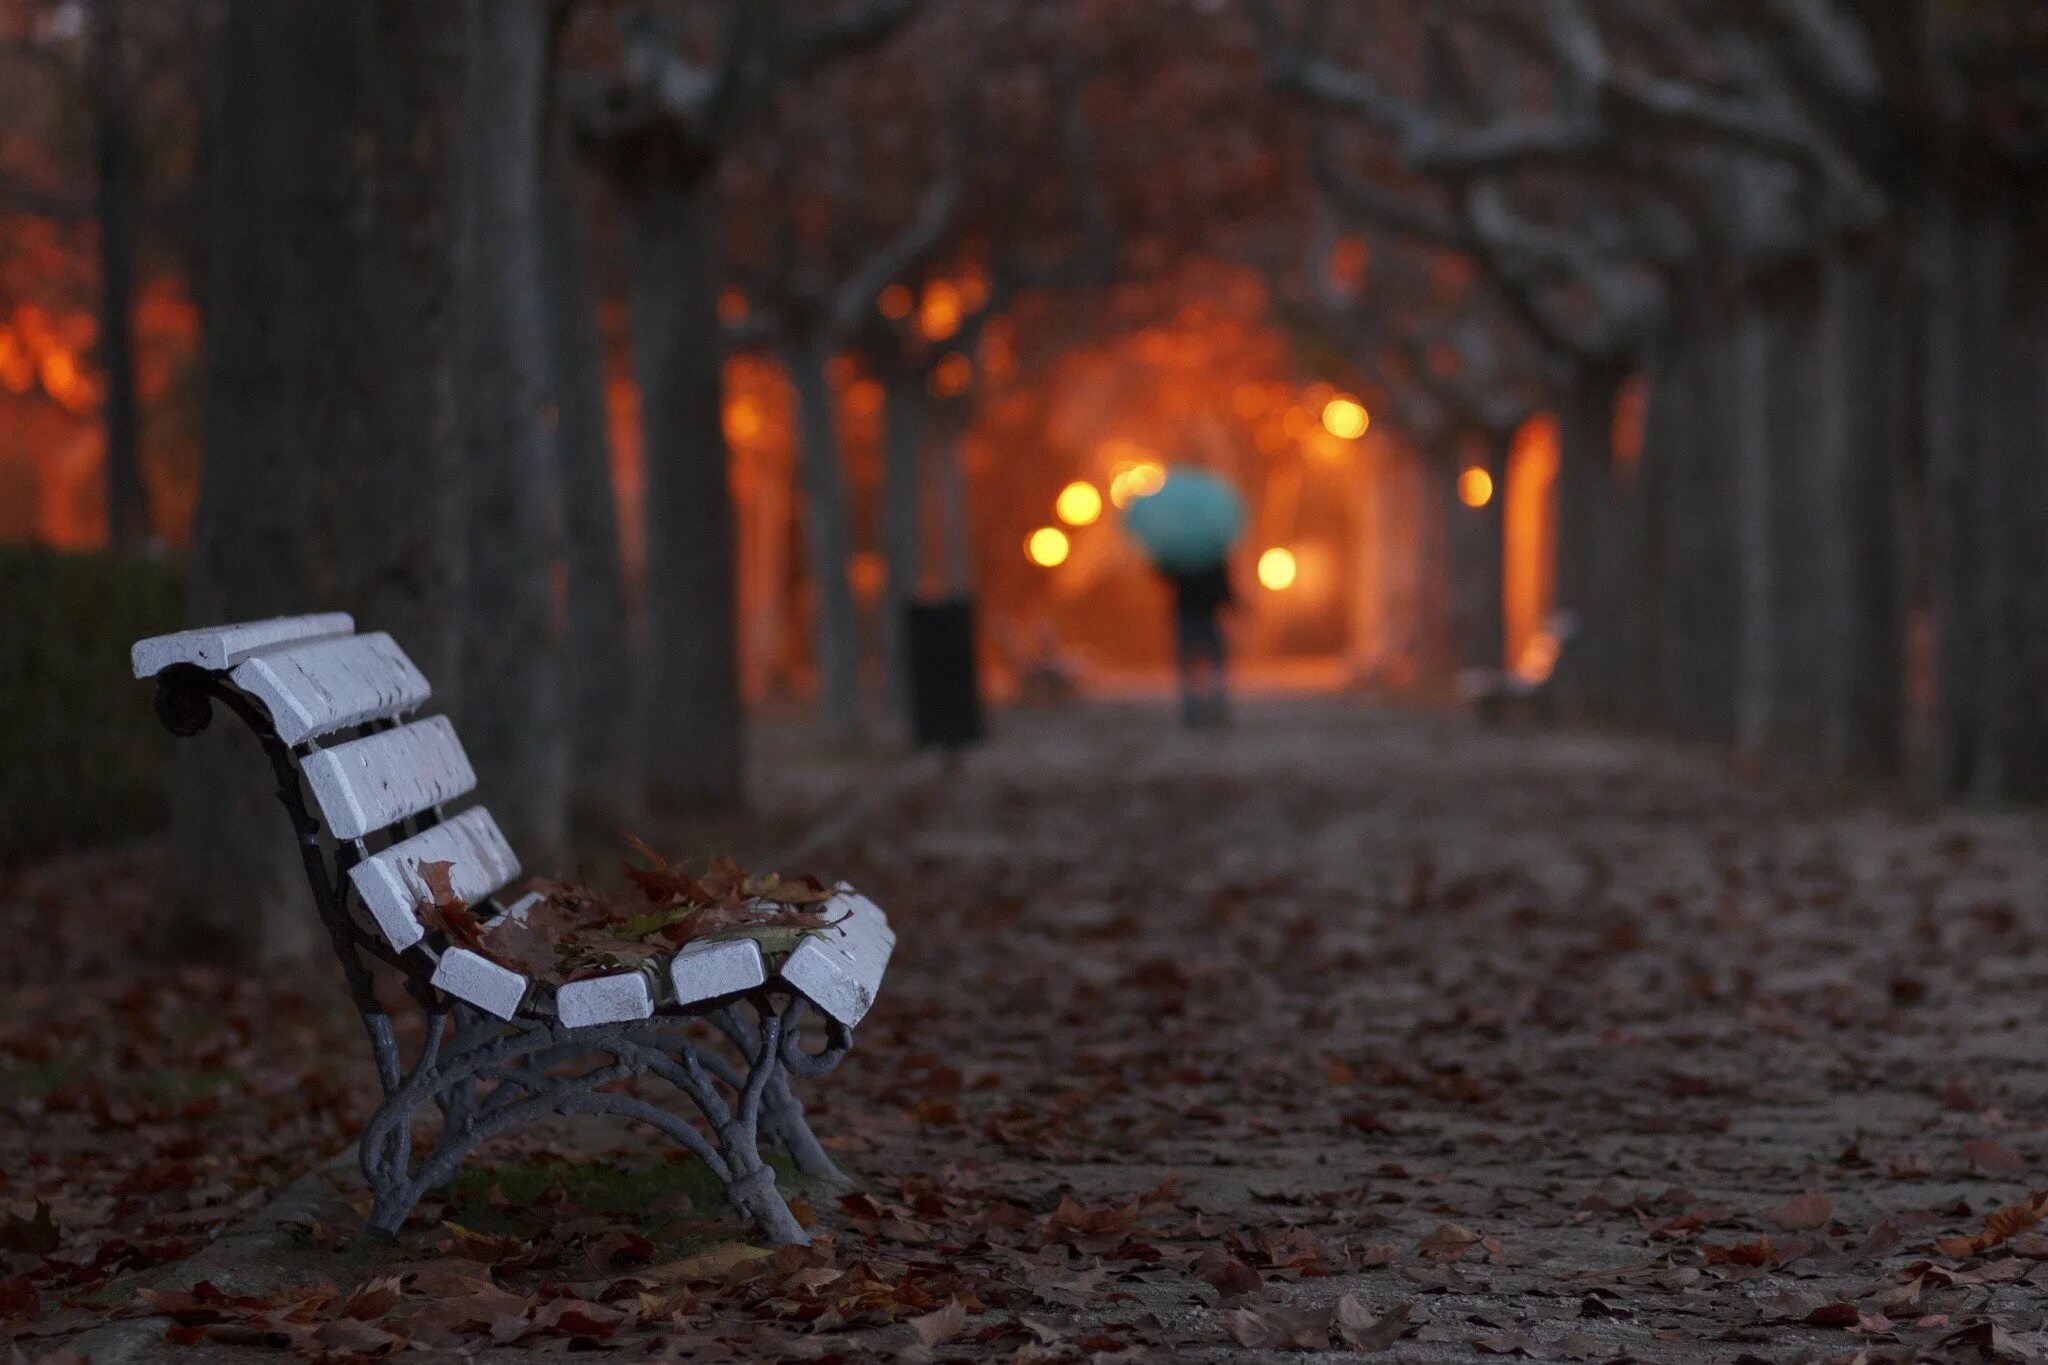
(1048, 547)
(1345, 418)
(1475, 487)
(896, 301)
(1277, 569)
(1079, 504)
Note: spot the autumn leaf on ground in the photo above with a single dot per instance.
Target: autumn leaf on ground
(1448, 1243)
(1989, 1154)
(2001, 1225)
(1357, 1328)
(1801, 1213)
(1757, 1253)
(1269, 1327)
(934, 1329)
(1229, 1277)
(714, 1264)
(36, 1234)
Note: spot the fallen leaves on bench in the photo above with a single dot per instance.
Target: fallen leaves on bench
(575, 930)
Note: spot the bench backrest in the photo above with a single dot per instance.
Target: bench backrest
(339, 701)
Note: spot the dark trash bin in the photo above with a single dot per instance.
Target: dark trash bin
(945, 683)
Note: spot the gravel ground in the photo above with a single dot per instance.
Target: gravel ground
(1353, 1029)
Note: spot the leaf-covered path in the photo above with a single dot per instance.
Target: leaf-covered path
(1346, 1030)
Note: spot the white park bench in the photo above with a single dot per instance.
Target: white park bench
(372, 797)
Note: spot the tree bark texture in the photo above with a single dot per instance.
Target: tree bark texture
(383, 87)
(512, 714)
(692, 720)
(599, 689)
(828, 542)
(1987, 322)
(1590, 568)
(238, 888)
(1698, 616)
(903, 430)
(128, 520)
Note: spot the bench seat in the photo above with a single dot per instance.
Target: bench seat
(838, 970)
(375, 795)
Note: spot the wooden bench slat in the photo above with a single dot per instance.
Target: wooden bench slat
(475, 978)
(371, 782)
(220, 648)
(610, 999)
(391, 887)
(315, 689)
(840, 970)
(710, 968)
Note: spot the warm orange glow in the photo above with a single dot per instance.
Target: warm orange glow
(1475, 487)
(1135, 479)
(1538, 658)
(951, 376)
(1348, 259)
(1048, 547)
(865, 572)
(1626, 434)
(743, 421)
(1079, 504)
(732, 307)
(1529, 527)
(939, 318)
(1345, 418)
(896, 301)
(1277, 569)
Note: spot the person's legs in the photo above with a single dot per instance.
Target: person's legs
(1219, 672)
(1187, 648)
(1201, 668)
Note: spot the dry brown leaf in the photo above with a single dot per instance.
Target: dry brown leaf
(1802, 1213)
(1448, 1243)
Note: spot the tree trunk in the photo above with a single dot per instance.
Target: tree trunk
(692, 722)
(1863, 448)
(599, 691)
(1755, 353)
(828, 541)
(238, 888)
(512, 715)
(1475, 539)
(128, 522)
(1985, 435)
(956, 519)
(1698, 622)
(1589, 565)
(383, 86)
(903, 427)
(1804, 537)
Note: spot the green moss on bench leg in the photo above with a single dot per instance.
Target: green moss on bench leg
(523, 1198)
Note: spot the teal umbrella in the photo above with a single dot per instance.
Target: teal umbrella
(1190, 523)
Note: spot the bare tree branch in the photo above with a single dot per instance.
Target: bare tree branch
(851, 28)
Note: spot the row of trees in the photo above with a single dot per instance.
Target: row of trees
(1811, 230)
(406, 411)
(1800, 227)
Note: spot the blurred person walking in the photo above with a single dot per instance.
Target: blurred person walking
(1187, 528)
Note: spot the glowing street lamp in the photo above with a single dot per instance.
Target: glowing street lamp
(1048, 547)
(1475, 487)
(1345, 418)
(1277, 569)
(1079, 504)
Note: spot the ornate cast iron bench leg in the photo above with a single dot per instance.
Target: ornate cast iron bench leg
(782, 1113)
(481, 1051)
